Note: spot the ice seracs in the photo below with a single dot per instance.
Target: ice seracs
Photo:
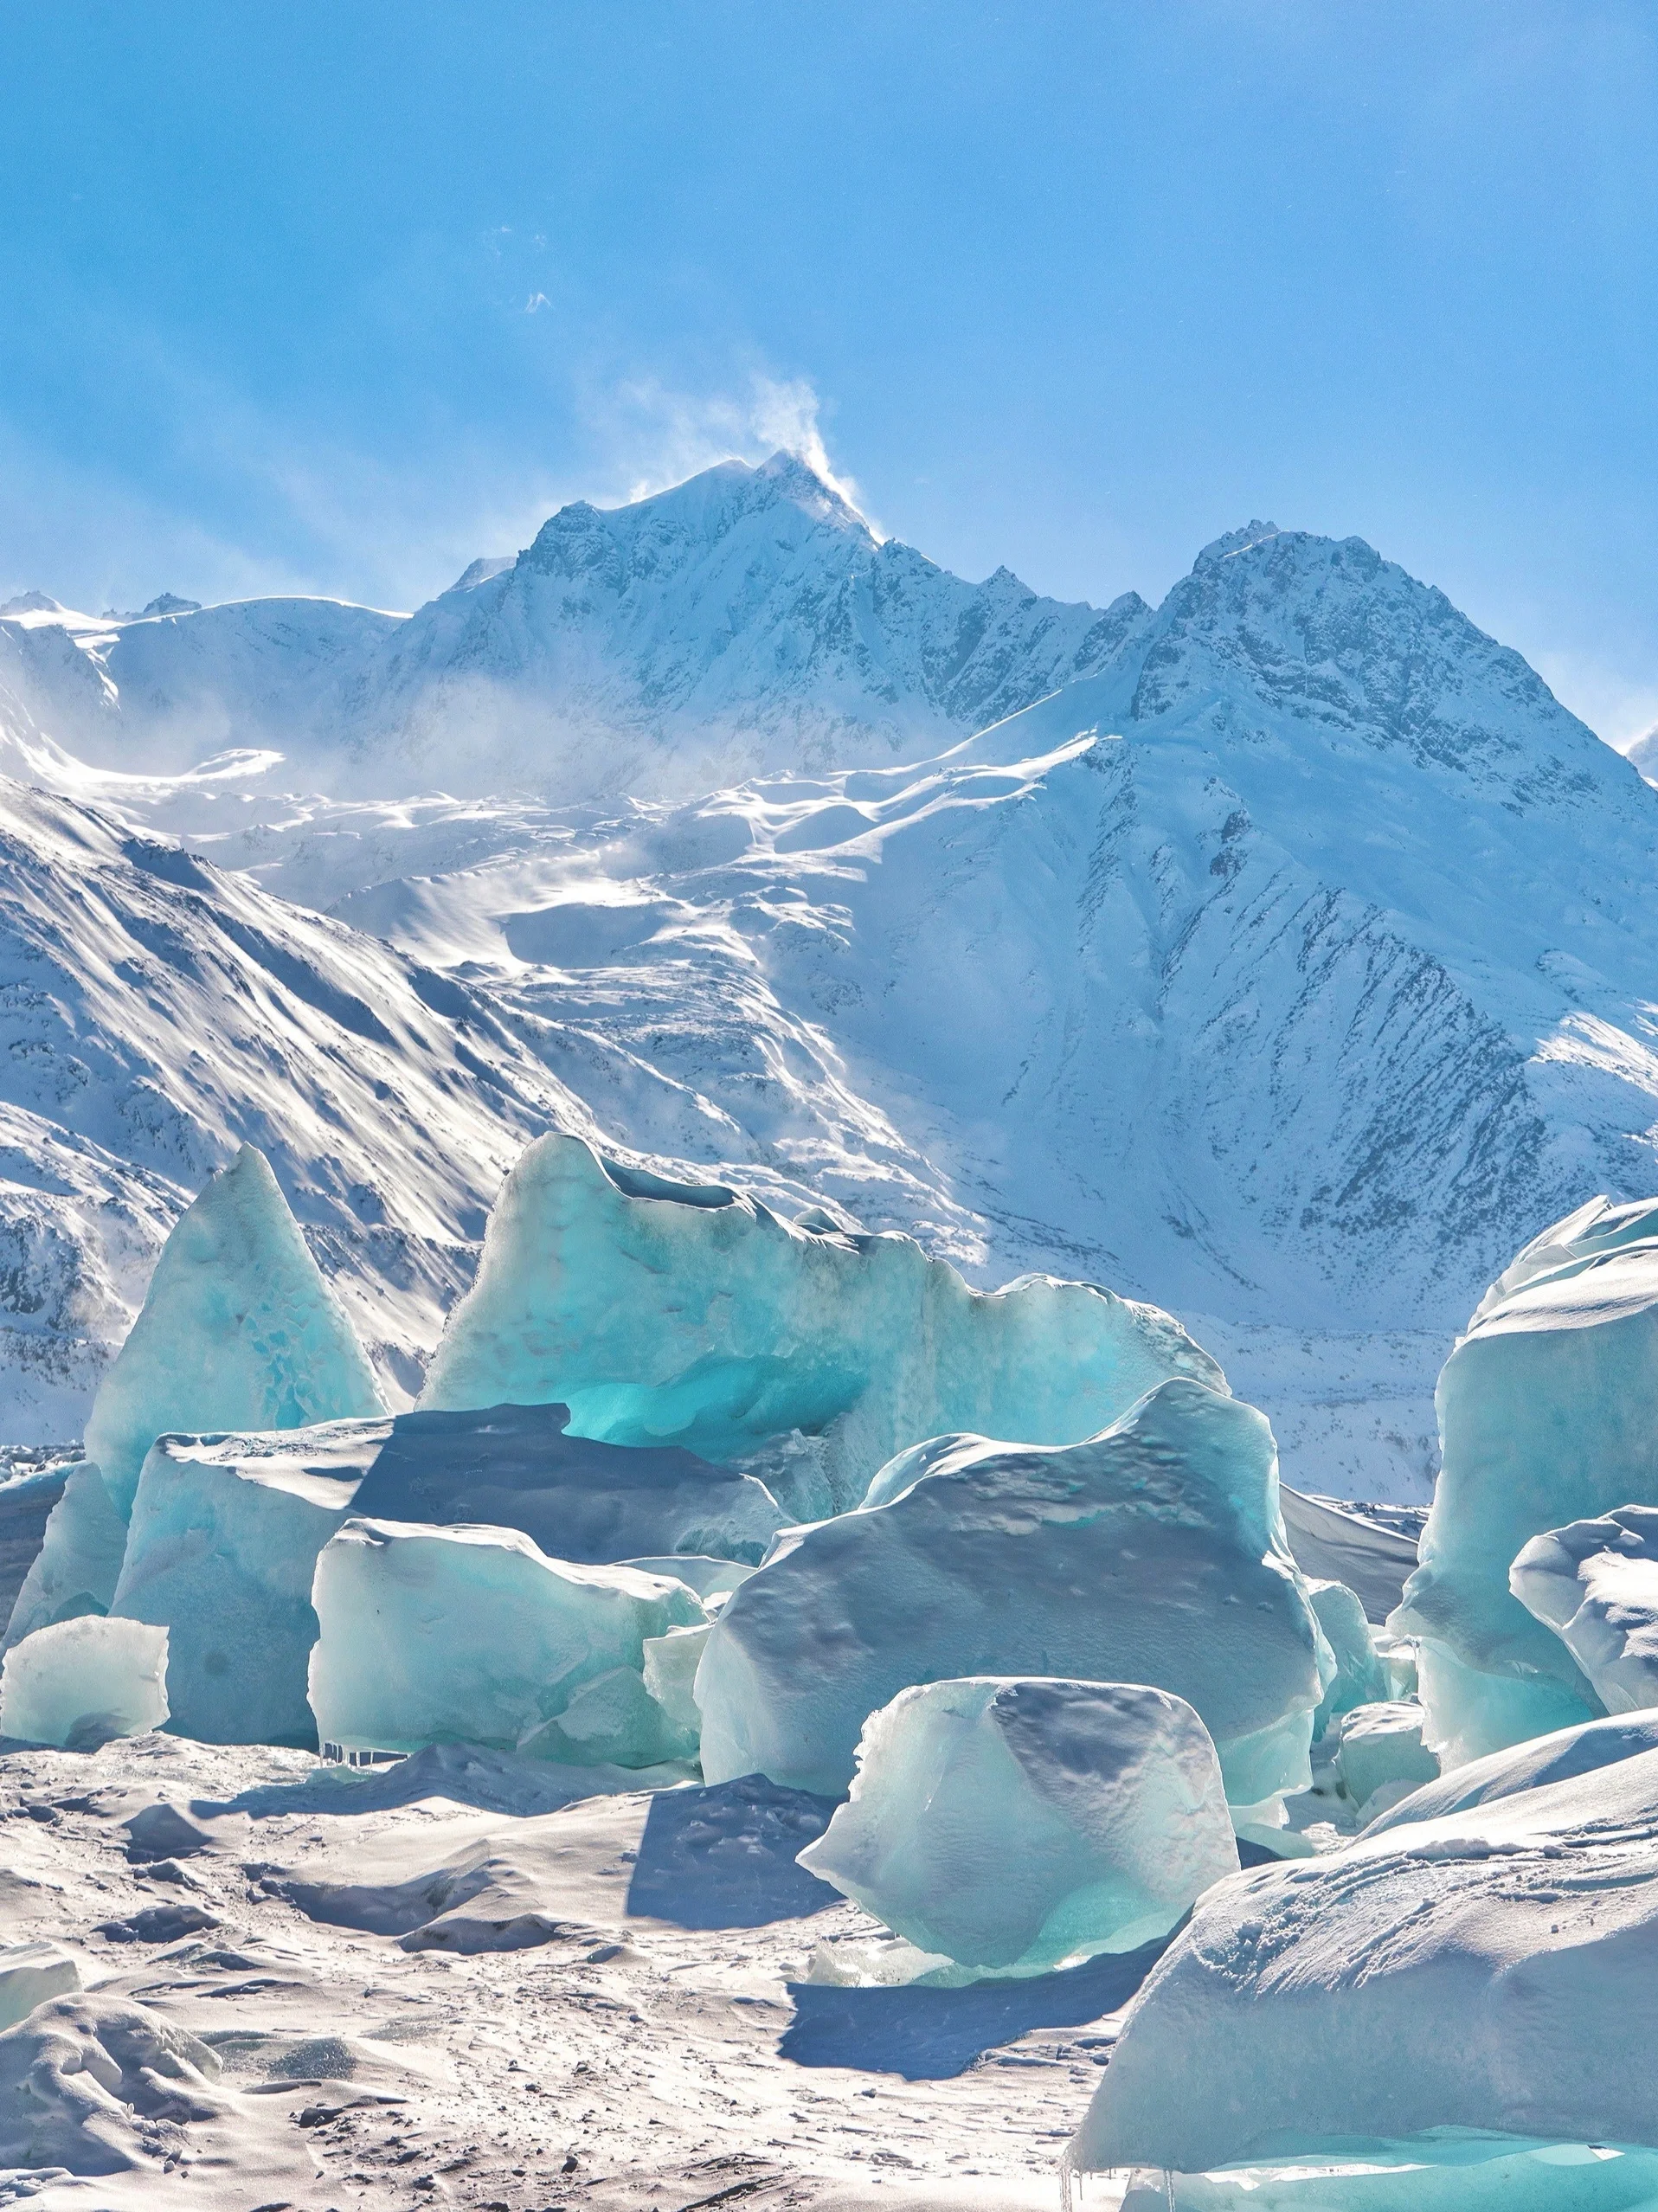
(1548, 1414)
(691, 1314)
(1021, 1824)
(1153, 1553)
(1596, 1584)
(81, 1683)
(472, 1635)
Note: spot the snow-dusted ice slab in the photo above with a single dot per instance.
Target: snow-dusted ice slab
(1595, 1583)
(470, 1634)
(1548, 1412)
(238, 1330)
(221, 1551)
(1531, 1765)
(666, 1312)
(1152, 1553)
(83, 1682)
(1023, 1823)
(516, 1467)
(1479, 1971)
(29, 1973)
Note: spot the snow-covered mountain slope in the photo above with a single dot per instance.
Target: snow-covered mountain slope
(163, 691)
(1290, 968)
(1291, 971)
(153, 1015)
(747, 619)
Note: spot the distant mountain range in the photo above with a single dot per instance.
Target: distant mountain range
(1285, 954)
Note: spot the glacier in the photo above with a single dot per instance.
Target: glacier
(472, 1635)
(1168, 1518)
(1022, 1825)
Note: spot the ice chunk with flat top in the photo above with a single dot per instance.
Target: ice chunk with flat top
(665, 1313)
(465, 1635)
(222, 1552)
(1021, 1824)
(1482, 1970)
(1595, 1583)
(670, 1664)
(1548, 1414)
(1153, 1553)
(82, 1682)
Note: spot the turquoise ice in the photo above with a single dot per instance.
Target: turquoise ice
(1548, 1413)
(221, 1551)
(1595, 1583)
(690, 1313)
(238, 1331)
(1020, 1824)
(1153, 1552)
(472, 1635)
(81, 1683)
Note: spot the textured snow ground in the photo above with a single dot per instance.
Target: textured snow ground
(425, 1985)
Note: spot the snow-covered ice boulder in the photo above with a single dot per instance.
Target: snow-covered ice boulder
(1595, 1583)
(1482, 1970)
(1152, 1553)
(1361, 1675)
(1025, 1823)
(431, 1636)
(690, 1313)
(1531, 1765)
(81, 1683)
(516, 1467)
(29, 1973)
(238, 1330)
(221, 1551)
(1548, 1413)
(1380, 1747)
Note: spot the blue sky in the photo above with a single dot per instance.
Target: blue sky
(333, 297)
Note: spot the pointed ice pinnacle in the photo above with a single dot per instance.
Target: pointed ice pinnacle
(238, 1330)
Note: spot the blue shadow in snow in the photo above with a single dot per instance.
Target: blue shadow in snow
(930, 2034)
